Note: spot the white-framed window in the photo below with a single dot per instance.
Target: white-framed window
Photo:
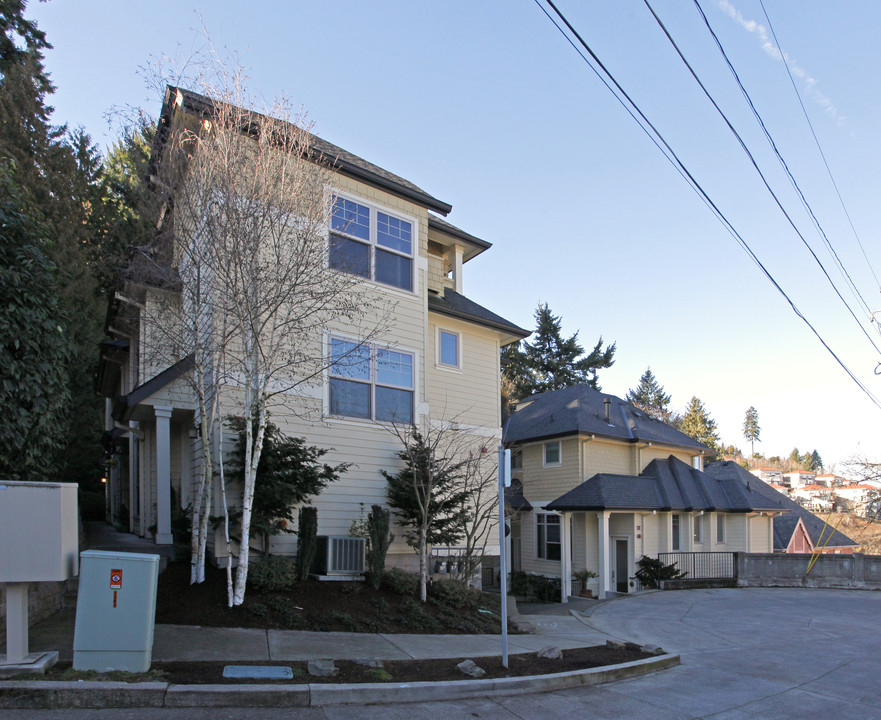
(675, 544)
(371, 243)
(698, 528)
(370, 382)
(720, 528)
(552, 454)
(449, 348)
(547, 536)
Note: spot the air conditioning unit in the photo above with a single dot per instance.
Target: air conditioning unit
(340, 555)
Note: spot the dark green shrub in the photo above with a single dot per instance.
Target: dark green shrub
(400, 581)
(454, 594)
(380, 603)
(652, 571)
(378, 540)
(272, 573)
(536, 587)
(307, 541)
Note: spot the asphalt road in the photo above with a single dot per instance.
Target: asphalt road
(747, 653)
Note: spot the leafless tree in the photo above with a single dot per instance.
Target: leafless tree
(249, 202)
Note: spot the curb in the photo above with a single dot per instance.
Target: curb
(79, 694)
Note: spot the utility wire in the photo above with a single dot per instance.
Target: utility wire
(683, 170)
(758, 170)
(854, 290)
(817, 141)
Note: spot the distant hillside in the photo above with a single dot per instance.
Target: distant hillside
(860, 529)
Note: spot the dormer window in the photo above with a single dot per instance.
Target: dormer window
(373, 244)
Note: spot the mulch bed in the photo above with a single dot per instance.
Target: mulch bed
(315, 605)
(196, 673)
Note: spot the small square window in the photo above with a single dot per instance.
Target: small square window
(552, 453)
(449, 348)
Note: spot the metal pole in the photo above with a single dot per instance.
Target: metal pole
(503, 480)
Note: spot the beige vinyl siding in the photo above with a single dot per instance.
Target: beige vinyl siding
(531, 563)
(468, 394)
(653, 534)
(435, 273)
(646, 455)
(761, 534)
(579, 551)
(590, 541)
(606, 456)
(735, 532)
(548, 483)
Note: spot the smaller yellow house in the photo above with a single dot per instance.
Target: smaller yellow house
(604, 484)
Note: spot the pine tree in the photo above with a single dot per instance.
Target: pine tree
(550, 361)
(428, 497)
(751, 429)
(697, 424)
(649, 396)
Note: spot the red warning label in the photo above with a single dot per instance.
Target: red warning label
(116, 579)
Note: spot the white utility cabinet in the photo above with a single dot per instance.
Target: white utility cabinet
(39, 542)
(115, 611)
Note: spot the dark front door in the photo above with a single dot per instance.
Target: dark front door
(621, 565)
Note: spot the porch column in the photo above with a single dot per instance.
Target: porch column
(603, 552)
(565, 559)
(163, 475)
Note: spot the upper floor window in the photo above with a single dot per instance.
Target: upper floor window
(371, 383)
(552, 454)
(372, 244)
(448, 348)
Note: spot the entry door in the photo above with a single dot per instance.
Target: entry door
(620, 565)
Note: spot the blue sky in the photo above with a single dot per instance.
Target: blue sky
(485, 105)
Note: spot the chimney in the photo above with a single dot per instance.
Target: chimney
(608, 404)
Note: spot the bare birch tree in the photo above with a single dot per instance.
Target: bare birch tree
(251, 204)
(480, 481)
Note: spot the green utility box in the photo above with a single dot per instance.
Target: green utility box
(115, 611)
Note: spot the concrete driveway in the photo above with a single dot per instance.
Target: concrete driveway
(752, 653)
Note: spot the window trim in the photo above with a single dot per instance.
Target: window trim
(541, 536)
(372, 380)
(458, 335)
(372, 242)
(544, 454)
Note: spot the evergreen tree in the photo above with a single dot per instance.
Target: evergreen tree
(34, 349)
(289, 473)
(550, 361)
(429, 497)
(816, 462)
(649, 396)
(697, 423)
(751, 429)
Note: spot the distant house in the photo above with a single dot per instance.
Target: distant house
(768, 474)
(798, 530)
(860, 494)
(831, 480)
(604, 484)
(798, 478)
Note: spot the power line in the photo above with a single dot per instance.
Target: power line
(817, 141)
(672, 157)
(758, 170)
(854, 290)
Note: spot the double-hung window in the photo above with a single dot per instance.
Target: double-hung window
(448, 348)
(547, 535)
(367, 242)
(371, 383)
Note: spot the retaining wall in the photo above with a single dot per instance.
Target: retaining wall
(791, 570)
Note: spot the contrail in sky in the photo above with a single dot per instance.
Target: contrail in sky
(764, 37)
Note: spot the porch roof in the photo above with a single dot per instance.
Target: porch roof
(664, 485)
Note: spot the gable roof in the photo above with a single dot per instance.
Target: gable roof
(581, 410)
(125, 404)
(458, 306)
(342, 161)
(664, 485)
(784, 525)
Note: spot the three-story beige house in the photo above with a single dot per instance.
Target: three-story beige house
(436, 360)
